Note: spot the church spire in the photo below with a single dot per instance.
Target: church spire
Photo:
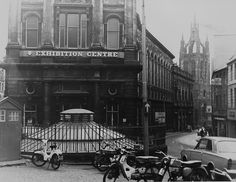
(194, 32)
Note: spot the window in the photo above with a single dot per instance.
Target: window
(231, 98)
(202, 145)
(32, 31)
(14, 116)
(235, 71)
(73, 30)
(30, 115)
(2, 116)
(113, 33)
(112, 114)
(231, 72)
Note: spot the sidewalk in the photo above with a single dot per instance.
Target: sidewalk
(13, 163)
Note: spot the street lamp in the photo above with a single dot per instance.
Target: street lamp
(144, 80)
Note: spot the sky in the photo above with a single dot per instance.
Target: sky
(168, 20)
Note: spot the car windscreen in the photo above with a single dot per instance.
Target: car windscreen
(226, 147)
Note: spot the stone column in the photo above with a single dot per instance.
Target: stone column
(13, 47)
(13, 22)
(97, 27)
(46, 101)
(129, 22)
(47, 25)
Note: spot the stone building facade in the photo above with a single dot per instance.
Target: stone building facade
(182, 99)
(219, 94)
(195, 59)
(231, 111)
(159, 83)
(65, 54)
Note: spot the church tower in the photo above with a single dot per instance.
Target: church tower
(195, 59)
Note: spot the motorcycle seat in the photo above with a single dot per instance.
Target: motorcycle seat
(144, 159)
(192, 163)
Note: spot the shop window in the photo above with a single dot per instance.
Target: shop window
(73, 30)
(31, 32)
(14, 116)
(113, 33)
(2, 116)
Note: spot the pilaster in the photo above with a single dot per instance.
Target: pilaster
(97, 29)
(47, 26)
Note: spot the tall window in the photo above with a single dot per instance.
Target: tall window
(32, 31)
(112, 114)
(113, 33)
(2, 115)
(231, 98)
(235, 71)
(73, 30)
(231, 72)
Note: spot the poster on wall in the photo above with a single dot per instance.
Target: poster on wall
(160, 117)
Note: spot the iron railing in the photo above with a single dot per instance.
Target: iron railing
(73, 137)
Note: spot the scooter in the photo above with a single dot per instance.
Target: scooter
(53, 156)
(147, 168)
(215, 174)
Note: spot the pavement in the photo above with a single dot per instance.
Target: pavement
(13, 163)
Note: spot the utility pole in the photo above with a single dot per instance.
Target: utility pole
(144, 80)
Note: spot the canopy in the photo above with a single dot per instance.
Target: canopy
(77, 111)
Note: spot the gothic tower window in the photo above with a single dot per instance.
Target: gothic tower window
(72, 30)
(31, 31)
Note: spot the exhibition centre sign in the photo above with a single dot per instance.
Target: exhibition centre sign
(57, 53)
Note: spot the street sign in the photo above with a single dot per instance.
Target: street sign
(147, 106)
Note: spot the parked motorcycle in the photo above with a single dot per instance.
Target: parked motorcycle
(109, 153)
(105, 156)
(53, 156)
(146, 168)
(215, 174)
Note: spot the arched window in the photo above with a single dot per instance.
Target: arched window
(32, 31)
(113, 33)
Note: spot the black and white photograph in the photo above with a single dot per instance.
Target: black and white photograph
(117, 90)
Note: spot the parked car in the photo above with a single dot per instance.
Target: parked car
(220, 151)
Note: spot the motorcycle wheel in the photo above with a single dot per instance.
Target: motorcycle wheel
(37, 160)
(150, 170)
(55, 162)
(96, 157)
(111, 175)
(199, 175)
(103, 163)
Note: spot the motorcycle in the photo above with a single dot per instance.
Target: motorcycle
(146, 168)
(53, 156)
(215, 174)
(109, 153)
(105, 156)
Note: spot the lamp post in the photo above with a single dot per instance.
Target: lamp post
(144, 80)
